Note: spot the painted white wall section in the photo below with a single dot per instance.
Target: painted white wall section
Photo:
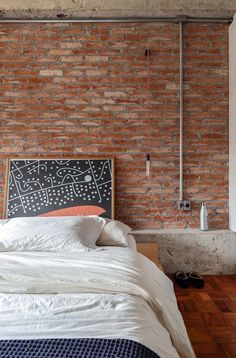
(232, 125)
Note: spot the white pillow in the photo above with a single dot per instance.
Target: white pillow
(131, 242)
(114, 233)
(71, 233)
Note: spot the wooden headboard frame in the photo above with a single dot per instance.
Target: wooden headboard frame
(50, 174)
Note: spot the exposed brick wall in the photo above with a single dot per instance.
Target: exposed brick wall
(81, 89)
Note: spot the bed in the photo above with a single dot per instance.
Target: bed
(75, 286)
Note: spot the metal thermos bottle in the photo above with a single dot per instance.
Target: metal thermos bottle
(203, 218)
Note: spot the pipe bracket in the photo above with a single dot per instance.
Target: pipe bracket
(181, 19)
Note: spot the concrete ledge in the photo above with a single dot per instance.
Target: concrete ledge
(111, 8)
(207, 252)
(181, 231)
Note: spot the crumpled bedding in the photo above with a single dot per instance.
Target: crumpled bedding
(98, 294)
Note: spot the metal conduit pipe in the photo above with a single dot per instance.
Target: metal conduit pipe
(62, 18)
(180, 111)
(182, 204)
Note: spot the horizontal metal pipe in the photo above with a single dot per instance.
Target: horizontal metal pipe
(125, 20)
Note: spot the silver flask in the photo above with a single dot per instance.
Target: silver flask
(203, 218)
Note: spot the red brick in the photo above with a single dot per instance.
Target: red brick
(73, 59)
(73, 45)
(95, 72)
(50, 73)
(97, 58)
(82, 89)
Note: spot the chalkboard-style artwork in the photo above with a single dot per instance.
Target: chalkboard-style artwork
(60, 187)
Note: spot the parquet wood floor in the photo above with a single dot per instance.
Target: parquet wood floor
(210, 316)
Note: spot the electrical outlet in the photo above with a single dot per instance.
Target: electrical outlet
(184, 205)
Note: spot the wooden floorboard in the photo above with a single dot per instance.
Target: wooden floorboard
(210, 316)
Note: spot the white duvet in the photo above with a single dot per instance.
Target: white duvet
(106, 293)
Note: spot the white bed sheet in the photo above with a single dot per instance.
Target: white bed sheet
(103, 293)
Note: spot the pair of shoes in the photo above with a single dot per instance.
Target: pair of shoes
(184, 280)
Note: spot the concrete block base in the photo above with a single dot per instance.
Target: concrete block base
(210, 252)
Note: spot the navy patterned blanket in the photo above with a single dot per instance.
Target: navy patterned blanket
(74, 348)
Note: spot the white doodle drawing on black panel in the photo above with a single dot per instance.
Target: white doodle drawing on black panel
(38, 187)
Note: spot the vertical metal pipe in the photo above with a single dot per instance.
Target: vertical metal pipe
(181, 110)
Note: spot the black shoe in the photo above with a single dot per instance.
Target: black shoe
(196, 279)
(182, 279)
